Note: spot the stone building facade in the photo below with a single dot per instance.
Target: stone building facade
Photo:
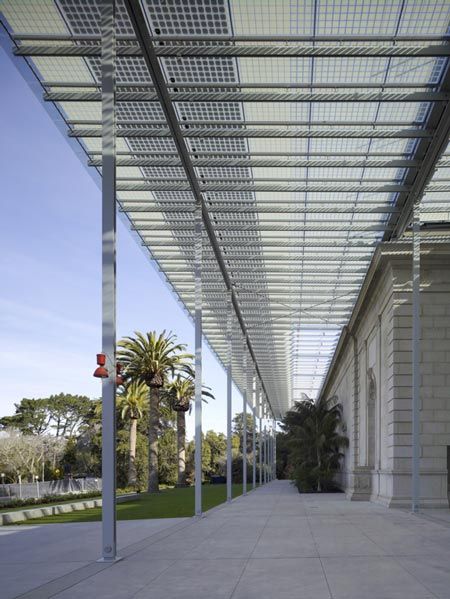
(371, 376)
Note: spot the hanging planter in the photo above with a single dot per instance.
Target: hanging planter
(179, 404)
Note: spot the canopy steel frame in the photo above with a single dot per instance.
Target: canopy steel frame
(247, 219)
(251, 51)
(54, 37)
(184, 122)
(209, 271)
(245, 154)
(127, 86)
(345, 188)
(330, 243)
(279, 259)
(261, 227)
(439, 120)
(184, 259)
(258, 209)
(271, 163)
(259, 97)
(205, 133)
(169, 267)
(183, 221)
(136, 15)
(235, 180)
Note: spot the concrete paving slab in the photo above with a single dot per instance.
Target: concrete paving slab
(371, 577)
(273, 542)
(356, 545)
(278, 543)
(433, 571)
(283, 579)
(122, 581)
(196, 579)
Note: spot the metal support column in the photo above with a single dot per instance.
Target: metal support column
(254, 394)
(269, 452)
(108, 281)
(416, 358)
(198, 357)
(260, 443)
(274, 449)
(229, 398)
(265, 454)
(244, 420)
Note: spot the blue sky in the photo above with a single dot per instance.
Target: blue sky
(50, 267)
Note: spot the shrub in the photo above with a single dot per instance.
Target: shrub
(314, 443)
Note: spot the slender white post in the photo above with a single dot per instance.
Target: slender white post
(416, 359)
(265, 454)
(274, 449)
(260, 443)
(229, 399)
(271, 449)
(109, 281)
(254, 394)
(244, 421)
(198, 357)
(270, 452)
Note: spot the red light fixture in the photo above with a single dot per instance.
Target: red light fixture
(120, 379)
(101, 372)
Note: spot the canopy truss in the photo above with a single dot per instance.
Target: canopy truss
(306, 130)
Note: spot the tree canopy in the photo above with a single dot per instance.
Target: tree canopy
(60, 415)
(238, 430)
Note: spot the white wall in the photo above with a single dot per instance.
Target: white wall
(377, 347)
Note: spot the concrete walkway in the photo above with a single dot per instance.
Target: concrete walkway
(273, 544)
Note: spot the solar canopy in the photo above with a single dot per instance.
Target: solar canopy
(310, 127)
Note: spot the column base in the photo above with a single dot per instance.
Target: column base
(108, 560)
(392, 488)
(357, 484)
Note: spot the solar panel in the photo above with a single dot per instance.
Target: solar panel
(297, 254)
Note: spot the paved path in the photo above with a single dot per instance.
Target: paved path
(272, 544)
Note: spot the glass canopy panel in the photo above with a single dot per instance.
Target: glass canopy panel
(297, 208)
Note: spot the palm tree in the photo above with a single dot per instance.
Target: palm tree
(132, 401)
(181, 391)
(315, 441)
(150, 359)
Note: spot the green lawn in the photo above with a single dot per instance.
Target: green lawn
(169, 503)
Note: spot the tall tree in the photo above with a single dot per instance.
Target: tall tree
(30, 418)
(211, 464)
(132, 404)
(181, 391)
(218, 446)
(238, 430)
(150, 359)
(67, 413)
(60, 414)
